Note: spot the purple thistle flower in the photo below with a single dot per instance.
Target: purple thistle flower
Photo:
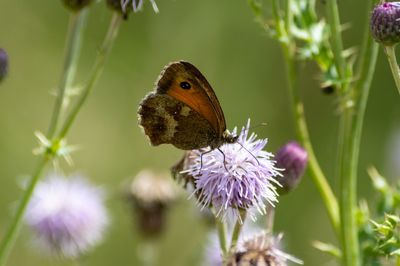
(239, 177)
(292, 158)
(67, 215)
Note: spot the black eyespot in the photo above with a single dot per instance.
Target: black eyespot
(185, 85)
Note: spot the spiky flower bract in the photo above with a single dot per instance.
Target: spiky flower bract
(385, 23)
(67, 214)
(235, 176)
(260, 250)
(124, 6)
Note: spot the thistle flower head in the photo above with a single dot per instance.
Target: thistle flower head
(67, 215)
(76, 5)
(385, 23)
(293, 159)
(3, 64)
(151, 195)
(235, 176)
(124, 6)
(262, 249)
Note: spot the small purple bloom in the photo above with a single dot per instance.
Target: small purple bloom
(67, 215)
(3, 64)
(239, 176)
(385, 23)
(293, 159)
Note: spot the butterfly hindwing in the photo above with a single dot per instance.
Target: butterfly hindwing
(168, 120)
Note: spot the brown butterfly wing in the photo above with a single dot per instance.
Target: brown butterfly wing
(200, 96)
(167, 120)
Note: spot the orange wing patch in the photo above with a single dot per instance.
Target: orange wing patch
(196, 99)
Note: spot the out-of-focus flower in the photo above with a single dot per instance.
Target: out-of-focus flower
(124, 6)
(3, 64)
(67, 215)
(151, 195)
(76, 5)
(293, 159)
(385, 23)
(262, 249)
(235, 176)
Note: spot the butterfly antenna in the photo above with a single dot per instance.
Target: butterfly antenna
(249, 152)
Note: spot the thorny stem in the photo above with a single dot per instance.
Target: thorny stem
(315, 171)
(72, 51)
(96, 72)
(351, 132)
(391, 56)
(337, 43)
(238, 228)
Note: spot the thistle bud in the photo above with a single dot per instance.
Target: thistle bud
(293, 159)
(385, 23)
(76, 5)
(3, 64)
(151, 196)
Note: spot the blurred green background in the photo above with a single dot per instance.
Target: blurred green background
(246, 70)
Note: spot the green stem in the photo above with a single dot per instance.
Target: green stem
(73, 44)
(221, 229)
(315, 171)
(351, 126)
(237, 229)
(15, 226)
(337, 43)
(270, 219)
(72, 51)
(96, 72)
(391, 56)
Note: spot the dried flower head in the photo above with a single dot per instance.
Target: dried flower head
(67, 215)
(235, 176)
(124, 6)
(385, 23)
(151, 195)
(262, 249)
(3, 64)
(293, 159)
(76, 5)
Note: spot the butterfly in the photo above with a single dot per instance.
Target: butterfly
(184, 111)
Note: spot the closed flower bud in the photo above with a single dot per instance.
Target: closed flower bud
(76, 5)
(385, 23)
(293, 159)
(3, 64)
(151, 196)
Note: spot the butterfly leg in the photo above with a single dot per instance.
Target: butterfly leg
(223, 154)
(201, 158)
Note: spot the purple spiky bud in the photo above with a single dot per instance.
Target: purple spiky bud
(3, 64)
(385, 23)
(293, 159)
